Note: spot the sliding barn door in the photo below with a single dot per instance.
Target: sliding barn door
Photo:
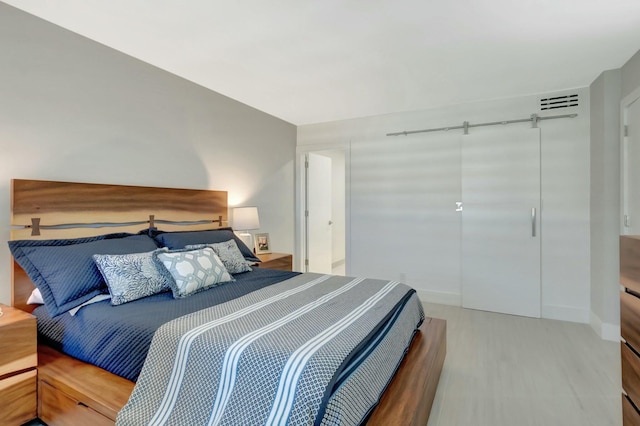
(501, 221)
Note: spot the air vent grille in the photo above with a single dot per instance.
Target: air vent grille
(559, 102)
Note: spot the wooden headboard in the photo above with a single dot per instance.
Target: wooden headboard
(52, 210)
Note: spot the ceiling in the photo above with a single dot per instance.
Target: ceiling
(325, 60)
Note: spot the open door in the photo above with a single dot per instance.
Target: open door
(318, 172)
(631, 170)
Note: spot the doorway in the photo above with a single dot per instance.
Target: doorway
(630, 169)
(325, 212)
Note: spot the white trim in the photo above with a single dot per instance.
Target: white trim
(631, 97)
(303, 149)
(300, 206)
(565, 313)
(440, 297)
(338, 263)
(610, 332)
(606, 331)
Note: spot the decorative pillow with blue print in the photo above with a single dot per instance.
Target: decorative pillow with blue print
(193, 271)
(230, 255)
(132, 276)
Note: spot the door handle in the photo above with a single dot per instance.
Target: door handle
(533, 221)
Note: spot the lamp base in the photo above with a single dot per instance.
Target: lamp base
(247, 239)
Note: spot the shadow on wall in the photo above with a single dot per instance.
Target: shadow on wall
(121, 162)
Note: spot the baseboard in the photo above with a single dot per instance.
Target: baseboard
(565, 313)
(338, 263)
(606, 331)
(440, 297)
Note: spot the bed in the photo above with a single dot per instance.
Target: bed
(72, 391)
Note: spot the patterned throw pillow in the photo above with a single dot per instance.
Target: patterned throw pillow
(230, 255)
(193, 270)
(131, 276)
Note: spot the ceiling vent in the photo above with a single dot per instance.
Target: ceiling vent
(559, 102)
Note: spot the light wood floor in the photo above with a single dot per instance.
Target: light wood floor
(504, 370)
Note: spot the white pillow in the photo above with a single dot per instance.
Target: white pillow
(35, 298)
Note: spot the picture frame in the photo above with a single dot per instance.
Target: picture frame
(262, 243)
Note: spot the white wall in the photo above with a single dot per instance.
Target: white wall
(630, 75)
(403, 192)
(605, 203)
(607, 92)
(74, 110)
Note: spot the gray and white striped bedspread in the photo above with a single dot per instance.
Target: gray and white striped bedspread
(312, 349)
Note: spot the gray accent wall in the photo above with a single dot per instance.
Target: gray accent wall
(74, 110)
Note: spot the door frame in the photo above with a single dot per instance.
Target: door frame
(301, 195)
(625, 103)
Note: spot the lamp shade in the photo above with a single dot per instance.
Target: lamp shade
(245, 218)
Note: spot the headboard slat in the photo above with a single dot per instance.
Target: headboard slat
(58, 203)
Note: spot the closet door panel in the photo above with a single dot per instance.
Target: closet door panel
(501, 221)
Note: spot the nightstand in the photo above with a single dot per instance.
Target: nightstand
(18, 362)
(281, 261)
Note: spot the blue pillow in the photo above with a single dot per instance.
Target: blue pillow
(181, 239)
(64, 271)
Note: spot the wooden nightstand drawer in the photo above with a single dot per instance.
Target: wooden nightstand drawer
(56, 408)
(281, 261)
(629, 264)
(18, 360)
(18, 341)
(630, 373)
(18, 396)
(630, 319)
(630, 416)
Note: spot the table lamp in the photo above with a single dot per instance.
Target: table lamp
(244, 220)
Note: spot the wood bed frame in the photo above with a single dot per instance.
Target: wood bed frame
(74, 392)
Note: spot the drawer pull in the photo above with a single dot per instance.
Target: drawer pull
(82, 404)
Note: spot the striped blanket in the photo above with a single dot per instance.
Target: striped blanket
(314, 349)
